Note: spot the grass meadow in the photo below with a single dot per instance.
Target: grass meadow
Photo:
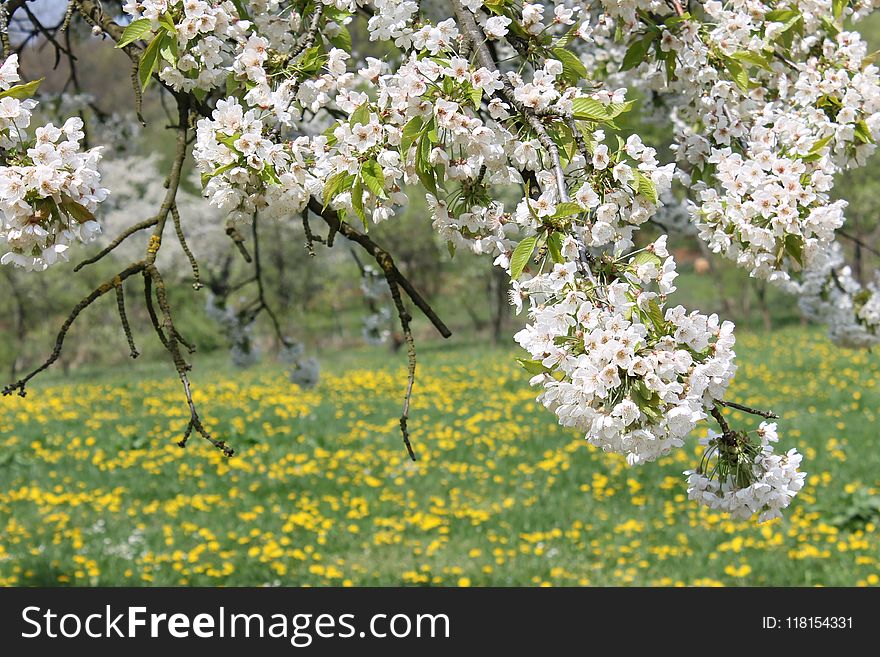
(94, 490)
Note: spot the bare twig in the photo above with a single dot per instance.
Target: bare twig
(748, 409)
(128, 232)
(193, 263)
(238, 240)
(126, 327)
(383, 259)
(405, 319)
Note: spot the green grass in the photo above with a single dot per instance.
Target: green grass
(93, 489)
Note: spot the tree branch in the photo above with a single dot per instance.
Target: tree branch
(383, 259)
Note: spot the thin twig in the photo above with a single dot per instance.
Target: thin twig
(193, 263)
(405, 319)
(128, 232)
(748, 409)
(123, 318)
(383, 259)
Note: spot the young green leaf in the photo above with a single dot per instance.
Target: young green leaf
(573, 68)
(533, 366)
(150, 60)
(554, 246)
(357, 201)
(374, 178)
(521, 255)
(22, 91)
(79, 212)
(589, 109)
(411, 132)
(644, 257)
(567, 209)
(135, 30)
(360, 115)
(637, 52)
(645, 186)
(335, 185)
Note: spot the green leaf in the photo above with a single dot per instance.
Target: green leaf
(169, 50)
(573, 68)
(794, 246)
(229, 140)
(637, 52)
(819, 145)
(589, 109)
(150, 60)
(311, 60)
(554, 246)
(738, 74)
(342, 40)
(335, 185)
(76, 210)
(216, 172)
(495, 6)
(168, 23)
(476, 96)
(863, 133)
(22, 91)
(644, 257)
(533, 366)
(837, 7)
(675, 20)
(616, 109)
(567, 209)
(360, 115)
(411, 132)
(241, 8)
(781, 15)
(424, 170)
(357, 201)
(374, 178)
(752, 58)
(645, 186)
(671, 63)
(135, 30)
(521, 255)
(655, 314)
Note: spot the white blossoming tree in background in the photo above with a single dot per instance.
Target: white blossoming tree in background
(506, 117)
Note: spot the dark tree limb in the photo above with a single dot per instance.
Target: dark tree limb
(383, 259)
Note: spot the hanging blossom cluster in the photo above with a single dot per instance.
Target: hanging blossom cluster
(49, 186)
(741, 475)
(831, 294)
(772, 102)
(616, 363)
(454, 118)
(244, 172)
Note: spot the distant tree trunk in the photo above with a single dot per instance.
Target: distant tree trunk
(498, 303)
(761, 293)
(20, 320)
(857, 263)
(280, 261)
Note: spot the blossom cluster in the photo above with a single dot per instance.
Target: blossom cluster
(743, 477)
(829, 293)
(616, 363)
(760, 136)
(237, 160)
(49, 186)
